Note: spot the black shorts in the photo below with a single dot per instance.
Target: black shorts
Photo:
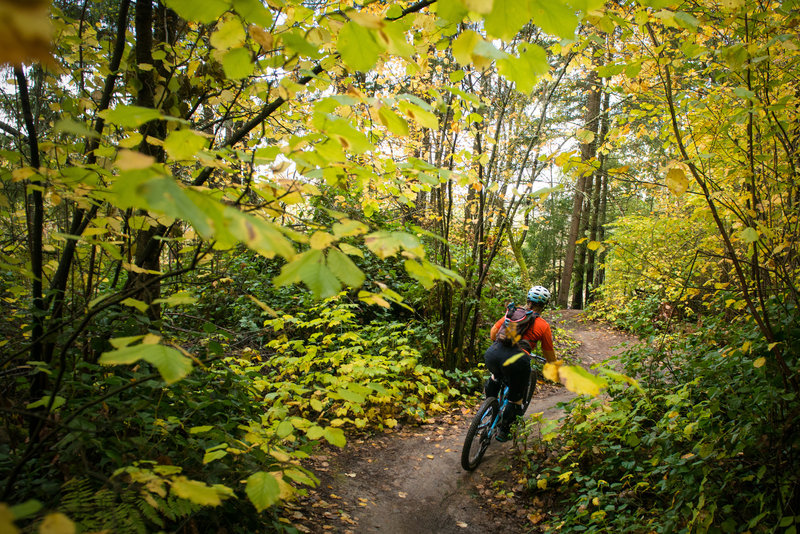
(515, 374)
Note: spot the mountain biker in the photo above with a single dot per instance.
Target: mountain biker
(516, 373)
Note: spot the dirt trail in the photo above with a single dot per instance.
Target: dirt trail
(411, 480)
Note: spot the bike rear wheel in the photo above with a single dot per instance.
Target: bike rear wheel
(478, 438)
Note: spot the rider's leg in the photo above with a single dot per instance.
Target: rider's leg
(516, 376)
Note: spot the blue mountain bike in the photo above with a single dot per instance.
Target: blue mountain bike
(486, 423)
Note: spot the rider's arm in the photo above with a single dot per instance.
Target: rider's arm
(496, 328)
(547, 345)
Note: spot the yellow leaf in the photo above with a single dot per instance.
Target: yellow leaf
(746, 347)
(550, 371)
(484, 7)
(391, 423)
(759, 362)
(513, 359)
(195, 491)
(321, 240)
(541, 483)
(596, 501)
(580, 381)
(366, 20)
(676, 181)
(7, 520)
(57, 523)
(128, 160)
(25, 32)
(594, 245)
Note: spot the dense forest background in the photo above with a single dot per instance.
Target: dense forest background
(234, 231)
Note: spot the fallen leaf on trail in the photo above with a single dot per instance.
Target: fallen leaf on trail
(448, 450)
(402, 494)
(334, 496)
(351, 475)
(429, 456)
(462, 524)
(535, 518)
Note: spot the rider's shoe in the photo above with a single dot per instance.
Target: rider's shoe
(502, 435)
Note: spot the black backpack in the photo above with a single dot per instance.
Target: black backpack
(516, 323)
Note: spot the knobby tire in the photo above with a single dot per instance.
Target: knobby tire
(531, 389)
(478, 439)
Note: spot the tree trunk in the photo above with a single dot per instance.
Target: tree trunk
(587, 153)
(579, 269)
(596, 191)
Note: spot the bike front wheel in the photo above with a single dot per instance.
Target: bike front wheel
(478, 437)
(531, 389)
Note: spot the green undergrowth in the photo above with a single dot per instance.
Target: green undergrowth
(226, 444)
(711, 443)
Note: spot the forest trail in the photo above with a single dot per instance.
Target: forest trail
(410, 481)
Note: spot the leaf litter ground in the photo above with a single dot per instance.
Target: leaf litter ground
(410, 480)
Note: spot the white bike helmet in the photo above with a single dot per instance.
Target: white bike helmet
(539, 295)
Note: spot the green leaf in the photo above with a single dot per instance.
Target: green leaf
(130, 116)
(75, 128)
(179, 298)
(358, 47)
(284, 429)
(213, 455)
(344, 268)
(146, 189)
(525, 69)
(258, 234)
(506, 18)
(171, 364)
(554, 17)
(295, 42)
(315, 432)
(205, 11)
(335, 436)
(451, 10)
(228, 34)
(393, 122)
(299, 268)
(26, 509)
(253, 11)
(394, 33)
(619, 377)
(348, 228)
(310, 269)
(134, 303)
(184, 144)
(263, 490)
(196, 492)
(424, 118)
(585, 5)
(350, 250)
(44, 401)
(385, 244)
(749, 235)
(463, 46)
(237, 64)
(200, 429)
(351, 396)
